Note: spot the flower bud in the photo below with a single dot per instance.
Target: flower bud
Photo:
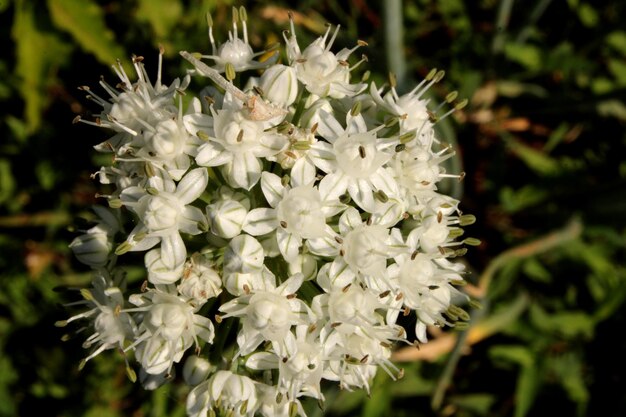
(280, 84)
(244, 254)
(305, 264)
(93, 247)
(226, 218)
(196, 370)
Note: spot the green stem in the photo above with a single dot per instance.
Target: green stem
(394, 41)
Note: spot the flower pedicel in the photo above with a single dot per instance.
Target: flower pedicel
(302, 210)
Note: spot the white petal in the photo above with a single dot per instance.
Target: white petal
(177, 167)
(173, 250)
(340, 274)
(324, 246)
(383, 180)
(211, 154)
(158, 273)
(323, 156)
(302, 172)
(262, 361)
(272, 187)
(288, 244)
(328, 127)
(260, 221)
(349, 220)
(362, 194)
(192, 185)
(270, 144)
(204, 328)
(243, 171)
(291, 285)
(332, 186)
(192, 217)
(198, 122)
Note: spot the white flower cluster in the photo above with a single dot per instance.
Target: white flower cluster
(301, 211)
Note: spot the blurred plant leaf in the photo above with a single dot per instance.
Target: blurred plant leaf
(84, 20)
(533, 158)
(162, 15)
(515, 200)
(536, 271)
(477, 404)
(528, 56)
(617, 40)
(612, 108)
(568, 324)
(512, 88)
(569, 371)
(7, 182)
(528, 378)
(380, 402)
(37, 54)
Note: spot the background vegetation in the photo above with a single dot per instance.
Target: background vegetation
(542, 141)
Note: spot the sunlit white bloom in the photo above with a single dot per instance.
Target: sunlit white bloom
(196, 370)
(322, 72)
(236, 144)
(93, 247)
(112, 326)
(267, 315)
(165, 213)
(353, 160)
(200, 281)
(169, 327)
(235, 51)
(296, 213)
(225, 393)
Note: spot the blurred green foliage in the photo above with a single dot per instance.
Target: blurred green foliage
(542, 142)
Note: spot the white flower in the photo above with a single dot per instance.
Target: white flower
(226, 218)
(93, 247)
(196, 370)
(279, 84)
(225, 393)
(424, 280)
(322, 72)
(112, 326)
(300, 363)
(267, 315)
(235, 51)
(164, 214)
(237, 144)
(200, 281)
(296, 213)
(170, 326)
(353, 161)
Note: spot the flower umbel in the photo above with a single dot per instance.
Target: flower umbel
(299, 208)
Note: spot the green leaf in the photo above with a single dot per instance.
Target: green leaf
(528, 56)
(617, 40)
(617, 67)
(477, 404)
(528, 378)
(536, 271)
(527, 196)
(34, 68)
(7, 182)
(84, 20)
(612, 108)
(588, 15)
(533, 158)
(526, 389)
(568, 369)
(568, 324)
(162, 15)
